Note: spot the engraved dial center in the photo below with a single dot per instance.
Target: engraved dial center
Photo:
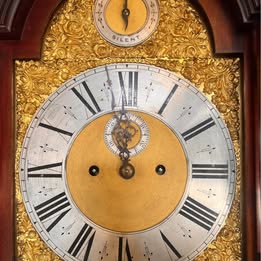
(123, 205)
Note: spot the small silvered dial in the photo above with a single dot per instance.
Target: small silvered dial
(138, 130)
(126, 23)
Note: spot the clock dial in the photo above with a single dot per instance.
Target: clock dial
(126, 22)
(127, 162)
(137, 128)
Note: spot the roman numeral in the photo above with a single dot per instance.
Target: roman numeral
(198, 213)
(164, 105)
(123, 242)
(170, 245)
(201, 127)
(131, 97)
(49, 127)
(96, 108)
(51, 207)
(50, 174)
(210, 171)
(82, 239)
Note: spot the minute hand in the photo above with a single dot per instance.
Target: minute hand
(109, 82)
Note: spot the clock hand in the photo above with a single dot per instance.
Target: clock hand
(127, 170)
(125, 13)
(109, 82)
(123, 133)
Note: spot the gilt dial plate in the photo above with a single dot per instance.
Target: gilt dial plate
(183, 187)
(126, 23)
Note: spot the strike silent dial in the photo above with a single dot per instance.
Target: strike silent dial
(126, 23)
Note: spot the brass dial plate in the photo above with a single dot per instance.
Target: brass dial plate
(127, 205)
(210, 184)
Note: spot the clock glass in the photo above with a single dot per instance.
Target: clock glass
(127, 161)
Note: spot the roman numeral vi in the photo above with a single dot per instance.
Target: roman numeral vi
(122, 251)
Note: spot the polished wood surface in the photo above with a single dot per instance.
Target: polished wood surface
(233, 31)
(19, 42)
(251, 146)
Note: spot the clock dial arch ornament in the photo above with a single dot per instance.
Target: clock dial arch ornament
(174, 204)
(126, 23)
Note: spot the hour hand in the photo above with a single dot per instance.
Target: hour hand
(125, 14)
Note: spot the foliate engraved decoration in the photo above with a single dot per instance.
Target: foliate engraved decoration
(218, 79)
(72, 45)
(29, 244)
(72, 35)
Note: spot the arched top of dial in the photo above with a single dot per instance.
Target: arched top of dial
(126, 23)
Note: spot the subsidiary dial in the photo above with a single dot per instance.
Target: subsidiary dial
(126, 23)
(137, 129)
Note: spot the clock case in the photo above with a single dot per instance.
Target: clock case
(234, 29)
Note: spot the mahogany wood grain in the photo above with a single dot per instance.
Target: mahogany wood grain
(7, 152)
(28, 46)
(13, 15)
(8, 9)
(220, 20)
(249, 95)
(231, 36)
